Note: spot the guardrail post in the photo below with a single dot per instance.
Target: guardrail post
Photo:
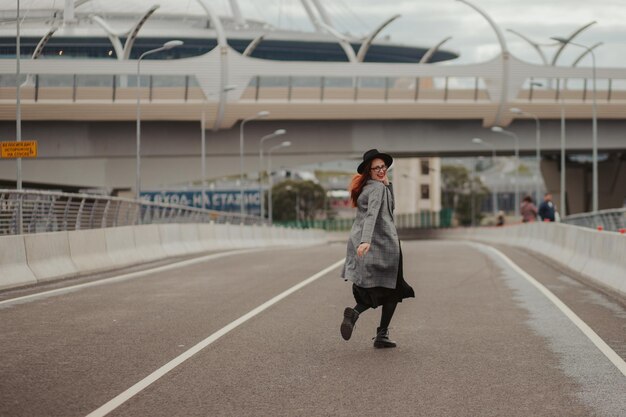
(150, 79)
(475, 88)
(66, 213)
(386, 88)
(36, 87)
(93, 213)
(186, 87)
(114, 93)
(79, 214)
(50, 215)
(289, 87)
(74, 87)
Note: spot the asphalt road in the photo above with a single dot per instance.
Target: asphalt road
(191, 340)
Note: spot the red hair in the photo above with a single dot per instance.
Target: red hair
(358, 182)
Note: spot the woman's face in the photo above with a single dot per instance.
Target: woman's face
(378, 170)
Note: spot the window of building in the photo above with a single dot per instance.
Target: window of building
(425, 191)
(425, 167)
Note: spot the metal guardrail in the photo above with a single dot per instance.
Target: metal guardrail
(611, 220)
(45, 211)
(420, 220)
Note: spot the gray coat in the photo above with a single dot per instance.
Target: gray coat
(374, 225)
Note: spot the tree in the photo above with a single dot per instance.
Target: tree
(307, 196)
(458, 189)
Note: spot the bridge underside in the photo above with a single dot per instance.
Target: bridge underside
(102, 154)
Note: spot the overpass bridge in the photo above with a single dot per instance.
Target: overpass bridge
(83, 113)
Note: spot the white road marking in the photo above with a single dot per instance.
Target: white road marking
(118, 278)
(159, 373)
(587, 331)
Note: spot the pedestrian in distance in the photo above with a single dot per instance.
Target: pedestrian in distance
(500, 218)
(547, 209)
(528, 210)
(374, 258)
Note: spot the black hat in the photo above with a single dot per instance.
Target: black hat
(372, 154)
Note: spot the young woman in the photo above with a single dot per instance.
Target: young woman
(374, 259)
(528, 210)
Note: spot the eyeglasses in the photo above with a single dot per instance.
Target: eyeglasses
(379, 168)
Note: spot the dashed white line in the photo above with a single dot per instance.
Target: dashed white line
(159, 373)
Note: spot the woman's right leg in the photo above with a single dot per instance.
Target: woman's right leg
(360, 308)
(350, 316)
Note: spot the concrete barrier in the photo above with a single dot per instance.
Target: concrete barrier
(120, 242)
(208, 237)
(88, 250)
(31, 258)
(48, 255)
(148, 242)
(14, 270)
(598, 256)
(172, 240)
(190, 236)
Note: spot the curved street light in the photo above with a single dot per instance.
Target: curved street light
(276, 133)
(494, 195)
(594, 161)
(260, 115)
(515, 110)
(165, 47)
(498, 129)
(270, 203)
(203, 141)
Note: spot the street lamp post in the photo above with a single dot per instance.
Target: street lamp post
(259, 115)
(515, 110)
(594, 198)
(270, 202)
(166, 46)
(276, 133)
(494, 195)
(498, 129)
(203, 144)
(18, 115)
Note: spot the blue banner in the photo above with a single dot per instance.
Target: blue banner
(222, 200)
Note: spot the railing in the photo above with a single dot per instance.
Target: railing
(185, 88)
(611, 220)
(44, 211)
(421, 220)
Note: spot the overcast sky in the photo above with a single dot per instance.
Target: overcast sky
(426, 22)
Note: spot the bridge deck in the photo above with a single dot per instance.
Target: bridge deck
(477, 340)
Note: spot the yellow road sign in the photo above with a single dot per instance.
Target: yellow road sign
(23, 149)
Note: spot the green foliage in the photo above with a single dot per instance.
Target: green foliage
(459, 191)
(297, 200)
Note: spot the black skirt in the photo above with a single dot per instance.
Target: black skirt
(376, 296)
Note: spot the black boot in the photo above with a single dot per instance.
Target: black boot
(350, 316)
(382, 339)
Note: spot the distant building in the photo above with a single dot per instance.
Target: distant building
(417, 184)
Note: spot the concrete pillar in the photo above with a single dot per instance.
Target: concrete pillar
(611, 179)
